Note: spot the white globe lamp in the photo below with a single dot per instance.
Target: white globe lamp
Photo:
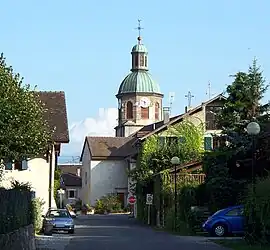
(253, 128)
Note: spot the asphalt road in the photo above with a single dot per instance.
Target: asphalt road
(114, 232)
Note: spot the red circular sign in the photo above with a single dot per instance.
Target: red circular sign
(132, 199)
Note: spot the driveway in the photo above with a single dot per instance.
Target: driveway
(114, 232)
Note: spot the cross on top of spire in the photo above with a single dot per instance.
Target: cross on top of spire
(139, 28)
(189, 96)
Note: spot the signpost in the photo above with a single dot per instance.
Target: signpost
(131, 199)
(149, 202)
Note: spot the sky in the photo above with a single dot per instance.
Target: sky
(83, 48)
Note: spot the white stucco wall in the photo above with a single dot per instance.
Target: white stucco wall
(85, 172)
(108, 176)
(37, 174)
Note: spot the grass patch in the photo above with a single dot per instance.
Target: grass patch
(239, 245)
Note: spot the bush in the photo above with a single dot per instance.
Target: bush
(257, 210)
(109, 203)
(37, 208)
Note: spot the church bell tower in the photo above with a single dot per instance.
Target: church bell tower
(139, 96)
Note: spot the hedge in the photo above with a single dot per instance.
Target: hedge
(15, 209)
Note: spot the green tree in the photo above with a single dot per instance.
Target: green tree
(244, 101)
(23, 131)
(243, 104)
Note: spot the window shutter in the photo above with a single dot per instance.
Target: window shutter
(24, 165)
(8, 166)
(181, 139)
(161, 140)
(208, 143)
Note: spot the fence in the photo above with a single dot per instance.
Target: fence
(162, 204)
(15, 210)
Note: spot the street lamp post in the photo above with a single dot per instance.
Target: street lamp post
(175, 161)
(253, 129)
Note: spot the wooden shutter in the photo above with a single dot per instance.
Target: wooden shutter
(8, 166)
(24, 165)
(208, 143)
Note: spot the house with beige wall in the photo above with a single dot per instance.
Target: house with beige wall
(39, 171)
(104, 168)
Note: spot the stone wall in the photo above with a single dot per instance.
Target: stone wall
(21, 239)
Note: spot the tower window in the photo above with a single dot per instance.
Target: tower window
(144, 113)
(157, 111)
(145, 61)
(129, 110)
(142, 60)
(136, 60)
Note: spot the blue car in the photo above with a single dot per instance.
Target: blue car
(226, 221)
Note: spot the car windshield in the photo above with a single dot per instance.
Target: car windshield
(58, 214)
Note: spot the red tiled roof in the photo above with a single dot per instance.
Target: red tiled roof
(55, 114)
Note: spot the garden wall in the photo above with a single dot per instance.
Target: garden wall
(20, 239)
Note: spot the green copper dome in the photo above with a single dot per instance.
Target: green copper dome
(139, 48)
(139, 82)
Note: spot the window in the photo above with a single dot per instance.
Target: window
(144, 113)
(18, 165)
(129, 110)
(71, 194)
(142, 60)
(157, 111)
(210, 116)
(145, 61)
(219, 141)
(136, 61)
(172, 140)
(8, 166)
(234, 212)
(161, 141)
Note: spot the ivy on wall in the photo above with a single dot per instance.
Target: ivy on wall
(184, 140)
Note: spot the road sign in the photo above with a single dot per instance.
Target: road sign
(132, 199)
(149, 199)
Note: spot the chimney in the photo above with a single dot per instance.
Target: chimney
(187, 108)
(79, 172)
(166, 114)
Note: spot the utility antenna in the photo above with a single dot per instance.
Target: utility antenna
(208, 91)
(189, 96)
(139, 28)
(171, 100)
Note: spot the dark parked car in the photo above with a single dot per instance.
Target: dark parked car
(226, 221)
(61, 220)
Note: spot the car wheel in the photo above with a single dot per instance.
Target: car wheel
(71, 231)
(219, 230)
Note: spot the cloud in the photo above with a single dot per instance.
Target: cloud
(102, 125)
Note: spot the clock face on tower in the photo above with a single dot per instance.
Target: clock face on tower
(144, 102)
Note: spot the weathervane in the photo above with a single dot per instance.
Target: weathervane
(189, 96)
